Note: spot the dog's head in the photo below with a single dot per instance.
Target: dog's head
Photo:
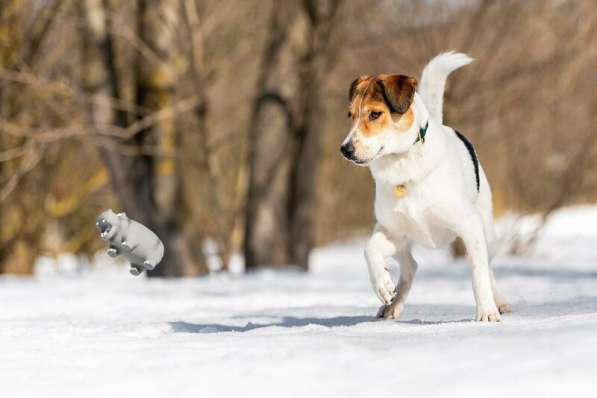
(382, 117)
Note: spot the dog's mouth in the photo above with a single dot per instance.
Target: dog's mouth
(360, 162)
(378, 154)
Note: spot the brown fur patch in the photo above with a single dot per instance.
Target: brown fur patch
(405, 121)
(369, 94)
(399, 91)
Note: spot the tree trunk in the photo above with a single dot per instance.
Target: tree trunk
(147, 186)
(155, 180)
(284, 138)
(266, 236)
(305, 151)
(21, 227)
(222, 225)
(7, 53)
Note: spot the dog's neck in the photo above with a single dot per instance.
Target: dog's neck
(419, 160)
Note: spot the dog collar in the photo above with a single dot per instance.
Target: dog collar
(422, 133)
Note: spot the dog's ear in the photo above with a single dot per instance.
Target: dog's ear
(353, 86)
(399, 92)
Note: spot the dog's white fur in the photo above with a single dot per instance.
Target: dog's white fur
(441, 201)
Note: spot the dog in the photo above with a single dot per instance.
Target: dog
(429, 185)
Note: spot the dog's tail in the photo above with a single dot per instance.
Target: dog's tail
(433, 80)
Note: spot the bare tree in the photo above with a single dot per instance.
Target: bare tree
(147, 185)
(305, 139)
(178, 120)
(284, 134)
(22, 228)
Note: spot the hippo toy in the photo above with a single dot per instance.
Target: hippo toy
(141, 247)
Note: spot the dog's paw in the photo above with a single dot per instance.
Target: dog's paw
(504, 308)
(489, 314)
(383, 286)
(391, 311)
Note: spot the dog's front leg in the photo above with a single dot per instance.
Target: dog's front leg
(473, 236)
(378, 248)
(408, 269)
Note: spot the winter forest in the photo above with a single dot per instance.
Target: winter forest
(218, 125)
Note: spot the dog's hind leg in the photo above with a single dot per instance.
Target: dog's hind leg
(492, 244)
(473, 236)
(485, 208)
(503, 305)
(408, 269)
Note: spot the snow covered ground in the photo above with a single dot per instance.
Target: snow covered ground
(104, 333)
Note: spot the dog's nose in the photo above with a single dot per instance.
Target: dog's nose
(347, 150)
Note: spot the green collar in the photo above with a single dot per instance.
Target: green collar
(422, 133)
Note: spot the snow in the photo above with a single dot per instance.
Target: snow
(74, 330)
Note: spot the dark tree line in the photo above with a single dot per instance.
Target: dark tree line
(217, 122)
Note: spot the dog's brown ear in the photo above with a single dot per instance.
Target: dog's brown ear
(399, 92)
(353, 86)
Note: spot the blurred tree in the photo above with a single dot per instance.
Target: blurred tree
(221, 227)
(284, 134)
(195, 134)
(146, 183)
(23, 218)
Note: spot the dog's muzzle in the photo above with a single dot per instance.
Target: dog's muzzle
(348, 151)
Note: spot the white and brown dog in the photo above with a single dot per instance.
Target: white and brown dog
(429, 185)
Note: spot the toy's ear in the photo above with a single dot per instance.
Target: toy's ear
(122, 215)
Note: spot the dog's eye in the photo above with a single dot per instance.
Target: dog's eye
(349, 114)
(374, 115)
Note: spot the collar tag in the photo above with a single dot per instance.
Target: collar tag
(400, 191)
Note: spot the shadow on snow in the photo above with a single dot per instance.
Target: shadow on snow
(287, 321)
(338, 321)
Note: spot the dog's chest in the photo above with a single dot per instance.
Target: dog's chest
(410, 216)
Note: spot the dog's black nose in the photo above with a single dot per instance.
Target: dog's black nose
(347, 150)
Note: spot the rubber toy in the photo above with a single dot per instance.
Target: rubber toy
(141, 247)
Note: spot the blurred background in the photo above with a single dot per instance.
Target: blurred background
(218, 123)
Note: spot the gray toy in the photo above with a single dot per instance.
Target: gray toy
(141, 247)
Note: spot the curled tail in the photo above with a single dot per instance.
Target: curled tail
(433, 80)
